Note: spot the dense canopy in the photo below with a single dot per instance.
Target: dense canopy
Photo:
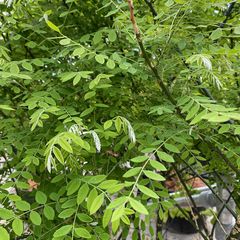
(102, 101)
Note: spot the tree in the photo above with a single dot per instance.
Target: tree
(87, 88)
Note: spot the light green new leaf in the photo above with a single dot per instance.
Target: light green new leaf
(63, 231)
(125, 219)
(67, 76)
(224, 128)
(115, 225)
(58, 155)
(17, 226)
(199, 117)
(35, 218)
(40, 197)
(110, 64)
(82, 193)
(79, 51)
(65, 41)
(193, 111)
(153, 175)
(147, 191)
(118, 213)
(118, 124)
(6, 107)
(67, 213)
(112, 36)
(237, 130)
(96, 179)
(138, 206)
(139, 159)
(84, 217)
(215, 117)
(82, 233)
(106, 217)
(171, 148)
(6, 213)
(91, 197)
(100, 58)
(97, 203)
(76, 79)
(117, 202)
(107, 184)
(132, 172)
(187, 106)
(89, 95)
(107, 124)
(237, 30)
(165, 157)
(53, 26)
(233, 115)
(157, 165)
(73, 186)
(216, 34)
(183, 100)
(4, 234)
(97, 37)
(27, 66)
(65, 145)
(116, 188)
(86, 111)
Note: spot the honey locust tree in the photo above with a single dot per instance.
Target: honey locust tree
(101, 101)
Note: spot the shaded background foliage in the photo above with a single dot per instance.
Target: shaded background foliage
(78, 62)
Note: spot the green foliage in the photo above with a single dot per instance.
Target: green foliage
(85, 122)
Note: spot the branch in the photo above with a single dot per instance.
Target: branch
(152, 9)
(192, 201)
(145, 55)
(227, 14)
(210, 187)
(219, 214)
(132, 18)
(188, 218)
(162, 85)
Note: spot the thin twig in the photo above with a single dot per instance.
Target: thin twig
(212, 190)
(218, 216)
(192, 201)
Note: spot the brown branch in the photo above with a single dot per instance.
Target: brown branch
(132, 18)
(145, 55)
